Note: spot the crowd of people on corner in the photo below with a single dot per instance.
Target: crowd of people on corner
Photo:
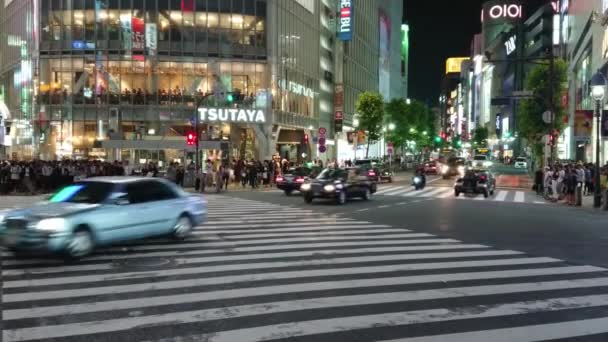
(38, 176)
(560, 181)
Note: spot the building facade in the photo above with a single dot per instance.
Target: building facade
(128, 79)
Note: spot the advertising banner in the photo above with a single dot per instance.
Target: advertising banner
(137, 25)
(583, 125)
(384, 56)
(338, 108)
(125, 24)
(151, 39)
(346, 17)
(604, 127)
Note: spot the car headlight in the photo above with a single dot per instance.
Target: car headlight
(339, 186)
(329, 188)
(487, 163)
(305, 187)
(51, 225)
(461, 170)
(445, 169)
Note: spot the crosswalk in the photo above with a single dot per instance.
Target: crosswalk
(264, 272)
(500, 195)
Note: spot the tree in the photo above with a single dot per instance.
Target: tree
(530, 114)
(411, 121)
(480, 136)
(370, 109)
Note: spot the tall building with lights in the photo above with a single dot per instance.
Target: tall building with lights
(125, 79)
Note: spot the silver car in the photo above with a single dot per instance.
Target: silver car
(100, 212)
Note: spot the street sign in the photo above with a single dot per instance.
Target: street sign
(389, 148)
(322, 141)
(547, 117)
(322, 149)
(322, 131)
(523, 93)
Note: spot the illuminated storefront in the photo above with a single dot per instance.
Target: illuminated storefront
(122, 79)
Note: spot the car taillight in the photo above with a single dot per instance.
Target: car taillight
(371, 174)
(279, 179)
(300, 180)
(483, 178)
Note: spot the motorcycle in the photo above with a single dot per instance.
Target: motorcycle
(419, 182)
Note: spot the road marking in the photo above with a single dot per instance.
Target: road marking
(402, 203)
(387, 189)
(103, 289)
(383, 206)
(519, 197)
(528, 333)
(394, 319)
(362, 210)
(432, 193)
(539, 202)
(307, 304)
(240, 267)
(501, 196)
(397, 192)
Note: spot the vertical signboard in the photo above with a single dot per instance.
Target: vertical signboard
(345, 23)
(137, 26)
(151, 39)
(338, 107)
(604, 124)
(384, 67)
(125, 23)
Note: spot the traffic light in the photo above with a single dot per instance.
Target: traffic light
(230, 98)
(438, 139)
(191, 138)
(305, 139)
(443, 135)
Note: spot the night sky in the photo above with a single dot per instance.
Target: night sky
(440, 29)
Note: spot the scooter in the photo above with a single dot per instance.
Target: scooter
(419, 182)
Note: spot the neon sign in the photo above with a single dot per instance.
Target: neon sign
(503, 11)
(232, 115)
(510, 45)
(345, 24)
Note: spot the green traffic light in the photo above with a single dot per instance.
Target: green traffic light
(438, 139)
(230, 98)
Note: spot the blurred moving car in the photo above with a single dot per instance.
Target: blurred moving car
(295, 177)
(455, 166)
(339, 185)
(521, 163)
(476, 181)
(430, 167)
(102, 211)
(481, 161)
(371, 167)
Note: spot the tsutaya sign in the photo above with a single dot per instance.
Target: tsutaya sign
(296, 88)
(257, 116)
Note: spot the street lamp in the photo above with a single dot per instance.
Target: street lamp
(598, 91)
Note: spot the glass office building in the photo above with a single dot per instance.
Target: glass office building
(122, 79)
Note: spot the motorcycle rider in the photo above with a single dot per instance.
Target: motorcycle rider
(420, 173)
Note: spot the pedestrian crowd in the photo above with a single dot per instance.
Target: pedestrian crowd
(560, 181)
(37, 176)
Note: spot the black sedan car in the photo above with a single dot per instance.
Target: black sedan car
(476, 181)
(295, 177)
(339, 185)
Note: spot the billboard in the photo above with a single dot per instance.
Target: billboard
(454, 64)
(346, 17)
(384, 66)
(137, 25)
(583, 125)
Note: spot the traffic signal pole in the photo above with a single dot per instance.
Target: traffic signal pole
(552, 98)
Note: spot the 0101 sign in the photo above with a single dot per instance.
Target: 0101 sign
(503, 11)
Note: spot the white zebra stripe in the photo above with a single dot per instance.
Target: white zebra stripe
(297, 305)
(175, 284)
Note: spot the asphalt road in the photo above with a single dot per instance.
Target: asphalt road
(406, 266)
(573, 234)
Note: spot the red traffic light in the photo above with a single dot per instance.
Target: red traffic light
(191, 138)
(306, 139)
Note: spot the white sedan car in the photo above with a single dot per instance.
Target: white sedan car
(521, 163)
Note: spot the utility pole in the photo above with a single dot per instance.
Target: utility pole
(552, 96)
